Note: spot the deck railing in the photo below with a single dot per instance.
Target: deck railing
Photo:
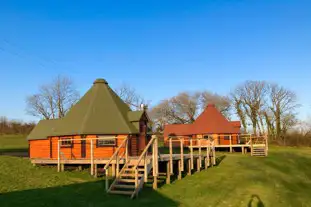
(92, 141)
(209, 149)
(116, 156)
(155, 168)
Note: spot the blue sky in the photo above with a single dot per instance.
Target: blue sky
(158, 47)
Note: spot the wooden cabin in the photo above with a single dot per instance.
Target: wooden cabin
(101, 115)
(210, 124)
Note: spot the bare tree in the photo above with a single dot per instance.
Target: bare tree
(53, 100)
(239, 109)
(283, 105)
(252, 94)
(130, 96)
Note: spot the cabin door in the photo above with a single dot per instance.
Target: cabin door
(83, 148)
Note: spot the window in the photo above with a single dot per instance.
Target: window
(104, 141)
(66, 142)
(226, 137)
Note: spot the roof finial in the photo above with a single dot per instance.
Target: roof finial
(100, 80)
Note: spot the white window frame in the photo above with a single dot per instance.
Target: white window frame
(105, 138)
(64, 139)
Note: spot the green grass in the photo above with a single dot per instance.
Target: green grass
(13, 143)
(281, 179)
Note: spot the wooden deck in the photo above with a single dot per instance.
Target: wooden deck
(131, 172)
(133, 159)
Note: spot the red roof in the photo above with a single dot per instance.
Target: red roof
(210, 121)
(236, 124)
(177, 129)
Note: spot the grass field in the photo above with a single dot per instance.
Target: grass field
(13, 143)
(281, 179)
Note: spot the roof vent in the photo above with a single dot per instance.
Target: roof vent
(100, 80)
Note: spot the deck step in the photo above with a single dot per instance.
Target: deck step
(130, 175)
(132, 170)
(120, 192)
(123, 180)
(124, 186)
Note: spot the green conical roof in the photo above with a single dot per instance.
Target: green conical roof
(99, 111)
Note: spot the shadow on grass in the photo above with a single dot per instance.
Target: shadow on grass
(18, 152)
(82, 194)
(220, 159)
(255, 201)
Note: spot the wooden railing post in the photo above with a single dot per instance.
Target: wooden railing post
(92, 158)
(126, 150)
(157, 154)
(117, 165)
(200, 153)
(58, 156)
(207, 157)
(214, 154)
(208, 154)
(153, 159)
(191, 153)
(251, 144)
(171, 155)
(107, 182)
(267, 147)
(145, 169)
(182, 153)
(136, 178)
(230, 140)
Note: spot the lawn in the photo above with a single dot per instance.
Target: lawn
(281, 179)
(13, 143)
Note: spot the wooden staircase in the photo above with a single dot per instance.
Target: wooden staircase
(259, 151)
(134, 173)
(259, 146)
(125, 183)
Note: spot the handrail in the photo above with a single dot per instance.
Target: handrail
(114, 154)
(138, 185)
(110, 160)
(144, 152)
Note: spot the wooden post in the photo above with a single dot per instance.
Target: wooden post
(189, 167)
(92, 158)
(179, 169)
(153, 159)
(117, 165)
(230, 140)
(208, 156)
(58, 156)
(182, 154)
(155, 182)
(171, 155)
(95, 172)
(107, 182)
(145, 169)
(200, 152)
(156, 156)
(191, 153)
(126, 150)
(251, 143)
(136, 178)
(113, 170)
(62, 167)
(198, 164)
(267, 147)
(168, 173)
(242, 149)
(214, 155)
